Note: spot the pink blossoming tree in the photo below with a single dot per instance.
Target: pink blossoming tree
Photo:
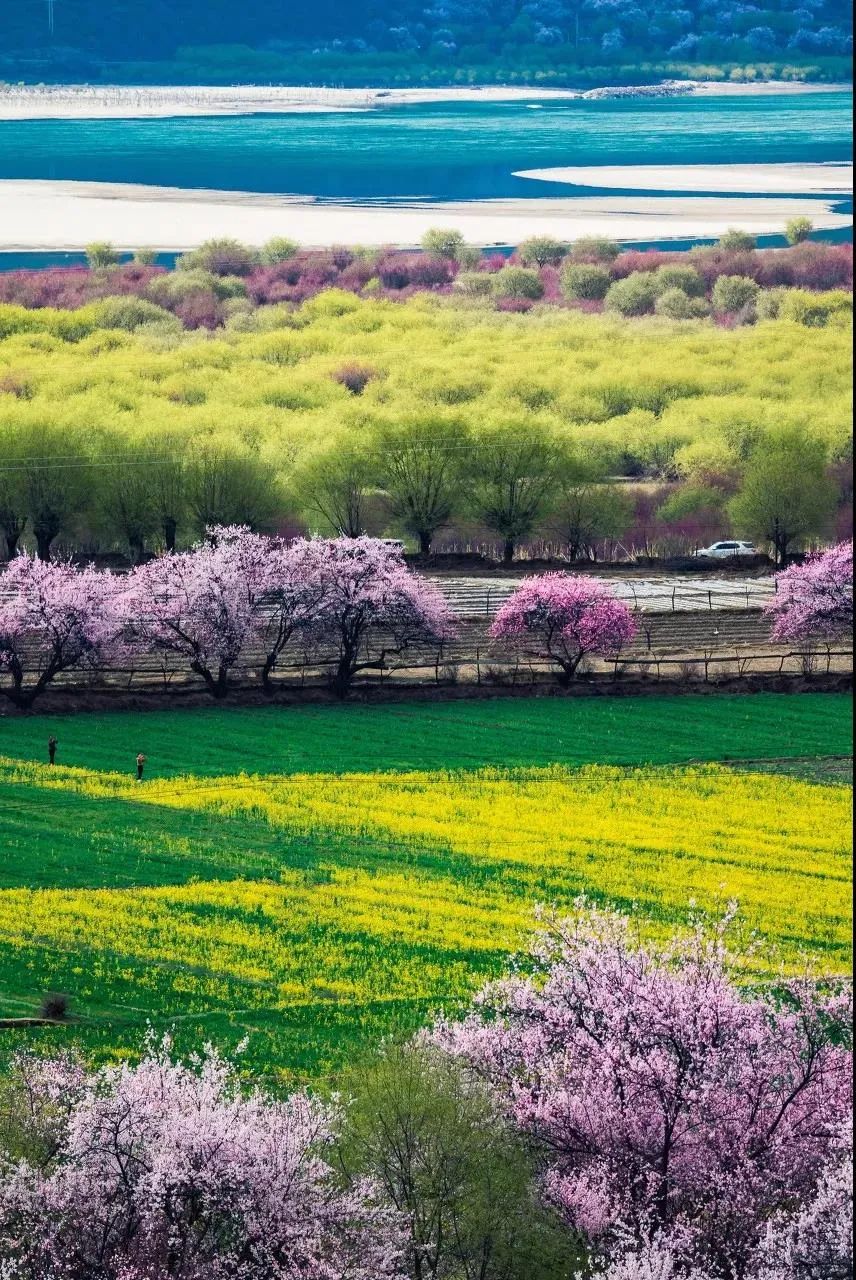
(292, 594)
(54, 617)
(815, 599)
(670, 1105)
(565, 617)
(161, 1171)
(200, 606)
(815, 1242)
(208, 605)
(373, 606)
(811, 1241)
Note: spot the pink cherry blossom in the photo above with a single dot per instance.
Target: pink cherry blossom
(667, 1100)
(54, 617)
(816, 1241)
(206, 606)
(815, 599)
(372, 605)
(563, 617)
(200, 605)
(169, 1170)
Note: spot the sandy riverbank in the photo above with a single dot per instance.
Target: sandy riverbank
(80, 102)
(829, 179)
(68, 215)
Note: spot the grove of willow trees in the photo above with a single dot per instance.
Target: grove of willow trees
(428, 419)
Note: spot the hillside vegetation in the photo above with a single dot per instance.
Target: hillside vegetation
(413, 42)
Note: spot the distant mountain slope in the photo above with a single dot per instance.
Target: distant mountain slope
(274, 39)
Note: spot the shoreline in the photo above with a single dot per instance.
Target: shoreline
(53, 216)
(103, 102)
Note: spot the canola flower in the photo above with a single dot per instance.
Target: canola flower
(354, 935)
(392, 895)
(660, 838)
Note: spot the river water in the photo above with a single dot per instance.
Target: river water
(436, 152)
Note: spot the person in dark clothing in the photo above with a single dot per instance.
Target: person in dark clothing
(51, 749)
(141, 760)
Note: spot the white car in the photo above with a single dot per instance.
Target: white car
(727, 550)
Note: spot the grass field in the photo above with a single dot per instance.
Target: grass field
(317, 877)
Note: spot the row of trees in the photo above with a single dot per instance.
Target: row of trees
(517, 477)
(133, 492)
(420, 475)
(240, 597)
(623, 1111)
(206, 608)
(224, 283)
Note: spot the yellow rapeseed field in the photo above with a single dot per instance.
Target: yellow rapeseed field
(383, 896)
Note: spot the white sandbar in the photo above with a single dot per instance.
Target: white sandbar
(81, 102)
(48, 215)
(833, 179)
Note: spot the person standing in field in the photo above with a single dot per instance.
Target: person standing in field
(141, 760)
(51, 749)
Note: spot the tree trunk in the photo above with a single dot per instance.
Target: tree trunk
(217, 685)
(344, 676)
(424, 544)
(21, 698)
(137, 550)
(169, 532)
(780, 547)
(508, 551)
(12, 538)
(44, 538)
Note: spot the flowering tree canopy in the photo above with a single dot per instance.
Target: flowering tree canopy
(368, 590)
(54, 617)
(816, 1240)
(564, 617)
(200, 605)
(812, 1241)
(292, 592)
(670, 1104)
(815, 598)
(164, 1170)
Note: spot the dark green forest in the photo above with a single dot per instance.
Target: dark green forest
(359, 42)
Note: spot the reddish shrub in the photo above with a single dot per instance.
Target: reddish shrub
(430, 272)
(12, 385)
(356, 377)
(713, 263)
(342, 256)
(199, 310)
(71, 287)
(640, 260)
(357, 275)
(261, 289)
(394, 271)
(728, 319)
(552, 286)
(822, 266)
